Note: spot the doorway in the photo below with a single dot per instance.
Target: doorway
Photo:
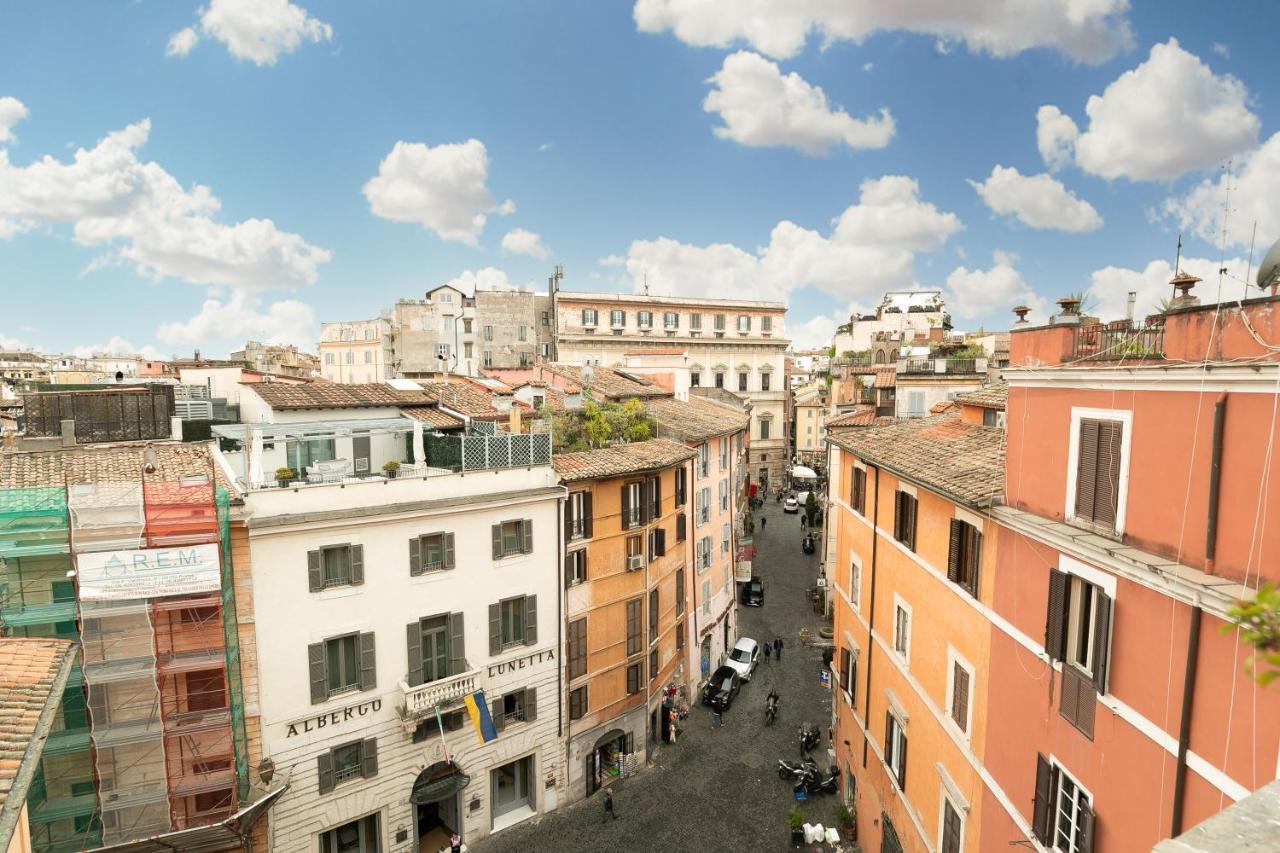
(360, 452)
(358, 836)
(604, 761)
(706, 655)
(513, 787)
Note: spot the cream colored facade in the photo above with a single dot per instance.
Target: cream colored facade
(356, 351)
(811, 418)
(737, 345)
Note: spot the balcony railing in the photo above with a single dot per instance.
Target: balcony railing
(1117, 341)
(924, 366)
(422, 700)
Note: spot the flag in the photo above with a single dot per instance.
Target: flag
(478, 709)
(443, 742)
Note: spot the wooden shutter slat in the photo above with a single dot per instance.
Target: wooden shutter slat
(457, 644)
(954, 549)
(315, 580)
(318, 673)
(1086, 469)
(975, 561)
(415, 556)
(413, 633)
(324, 769)
(1055, 634)
(497, 541)
(356, 557)
(495, 629)
(530, 620)
(1107, 478)
(1101, 636)
(368, 662)
(1041, 811)
(587, 515)
(369, 758)
(960, 698)
(449, 554)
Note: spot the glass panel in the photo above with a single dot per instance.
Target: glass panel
(342, 663)
(337, 566)
(435, 648)
(346, 761)
(433, 551)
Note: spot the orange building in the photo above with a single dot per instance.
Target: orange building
(912, 576)
(626, 571)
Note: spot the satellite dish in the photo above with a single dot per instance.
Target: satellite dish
(1269, 271)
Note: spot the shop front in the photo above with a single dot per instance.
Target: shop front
(435, 799)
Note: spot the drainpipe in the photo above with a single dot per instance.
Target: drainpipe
(560, 511)
(1215, 476)
(871, 612)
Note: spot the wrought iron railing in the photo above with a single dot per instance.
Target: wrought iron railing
(938, 365)
(1117, 341)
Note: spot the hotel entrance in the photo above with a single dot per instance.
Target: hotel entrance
(437, 815)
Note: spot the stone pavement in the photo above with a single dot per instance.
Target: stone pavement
(719, 789)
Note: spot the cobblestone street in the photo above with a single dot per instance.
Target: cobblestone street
(719, 789)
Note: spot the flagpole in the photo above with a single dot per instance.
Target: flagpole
(443, 742)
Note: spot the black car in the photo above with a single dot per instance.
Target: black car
(753, 593)
(721, 689)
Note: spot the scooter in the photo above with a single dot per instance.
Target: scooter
(771, 708)
(809, 738)
(815, 783)
(795, 770)
(807, 544)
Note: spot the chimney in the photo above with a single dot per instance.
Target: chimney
(197, 358)
(1128, 305)
(1070, 313)
(1022, 311)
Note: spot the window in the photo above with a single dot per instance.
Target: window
(617, 318)
(704, 505)
(680, 636)
(644, 319)
(719, 323)
(1062, 817)
(724, 495)
(546, 318)
(341, 664)
(719, 377)
(695, 321)
(635, 644)
(522, 334)
(518, 706)
(516, 623)
(436, 648)
(902, 628)
(904, 519)
(575, 567)
(577, 647)
(205, 690)
(468, 350)
(488, 333)
(849, 673)
(578, 516)
(466, 326)
(362, 834)
(632, 505)
(368, 334)
(578, 703)
(433, 552)
(742, 381)
(1077, 632)
(764, 429)
(706, 596)
(855, 581)
(724, 538)
(635, 553)
(368, 356)
(858, 490)
(960, 679)
(695, 379)
(657, 543)
(488, 359)
(681, 485)
(653, 664)
(679, 592)
(328, 358)
(512, 537)
(653, 615)
(357, 759)
(589, 316)
(1097, 485)
(724, 454)
(895, 749)
(990, 418)
(654, 495)
(670, 320)
(766, 324)
(704, 459)
(764, 381)
(635, 678)
(964, 553)
(952, 830)
(704, 553)
(682, 527)
(744, 323)
(335, 565)
(351, 357)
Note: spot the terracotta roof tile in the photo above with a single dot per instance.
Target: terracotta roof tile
(887, 376)
(859, 417)
(608, 383)
(620, 459)
(331, 395)
(960, 460)
(695, 419)
(106, 463)
(471, 400)
(432, 416)
(941, 406)
(993, 396)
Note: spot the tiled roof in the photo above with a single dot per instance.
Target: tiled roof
(471, 400)
(107, 463)
(620, 459)
(609, 383)
(859, 417)
(695, 419)
(941, 406)
(552, 396)
(943, 453)
(331, 395)
(33, 674)
(887, 377)
(991, 396)
(432, 416)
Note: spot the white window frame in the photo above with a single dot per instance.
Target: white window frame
(577, 507)
(1057, 767)
(1125, 418)
(946, 794)
(896, 752)
(855, 580)
(905, 653)
(954, 658)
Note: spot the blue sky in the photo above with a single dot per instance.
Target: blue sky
(315, 162)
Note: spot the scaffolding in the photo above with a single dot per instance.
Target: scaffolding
(153, 739)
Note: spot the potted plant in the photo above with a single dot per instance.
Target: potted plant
(390, 468)
(847, 820)
(284, 476)
(795, 819)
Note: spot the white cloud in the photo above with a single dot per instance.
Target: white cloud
(812, 333)
(116, 345)
(256, 30)
(1169, 116)
(239, 317)
(519, 241)
(1038, 201)
(545, 147)
(12, 111)
(1255, 197)
(1056, 135)
(868, 66)
(148, 219)
(613, 261)
(486, 278)
(11, 343)
(991, 293)
(444, 189)
(1221, 49)
(1109, 287)
(871, 248)
(1092, 31)
(761, 106)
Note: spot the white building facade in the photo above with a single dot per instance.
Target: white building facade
(901, 315)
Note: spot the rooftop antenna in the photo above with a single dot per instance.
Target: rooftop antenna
(1226, 216)
(646, 283)
(1249, 269)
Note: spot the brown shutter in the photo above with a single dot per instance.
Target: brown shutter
(587, 517)
(902, 765)
(845, 659)
(568, 569)
(1055, 633)
(888, 737)
(449, 554)
(318, 674)
(497, 541)
(975, 561)
(356, 555)
(457, 645)
(568, 519)
(960, 697)
(853, 679)
(369, 758)
(626, 507)
(914, 514)
(682, 526)
(368, 662)
(656, 513)
(1041, 812)
(1086, 469)
(526, 536)
(1088, 821)
(315, 580)
(415, 556)
(1079, 699)
(1107, 481)
(1101, 635)
(955, 551)
(495, 629)
(413, 633)
(530, 620)
(662, 541)
(897, 516)
(324, 769)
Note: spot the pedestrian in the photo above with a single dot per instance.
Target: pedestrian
(777, 648)
(768, 650)
(762, 522)
(608, 805)
(716, 720)
(803, 521)
(455, 843)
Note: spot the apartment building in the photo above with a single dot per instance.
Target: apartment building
(515, 328)
(357, 351)
(734, 345)
(23, 366)
(627, 566)
(810, 405)
(922, 383)
(436, 333)
(388, 606)
(281, 359)
(902, 315)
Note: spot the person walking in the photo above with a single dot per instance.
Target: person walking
(608, 805)
(716, 720)
(777, 648)
(762, 522)
(803, 521)
(768, 650)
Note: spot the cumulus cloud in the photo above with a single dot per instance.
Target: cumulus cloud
(1168, 116)
(1037, 201)
(1056, 135)
(991, 293)
(241, 316)
(815, 332)
(1109, 287)
(12, 111)
(486, 278)
(761, 106)
(257, 30)
(11, 343)
(1088, 32)
(116, 345)
(871, 247)
(519, 241)
(444, 189)
(146, 218)
(1255, 197)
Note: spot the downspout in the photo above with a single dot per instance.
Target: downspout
(564, 662)
(1193, 639)
(871, 612)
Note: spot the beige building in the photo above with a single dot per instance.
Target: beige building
(811, 406)
(729, 344)
(284, 359)
(357, 351)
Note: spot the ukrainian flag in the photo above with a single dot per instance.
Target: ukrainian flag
(478, 708)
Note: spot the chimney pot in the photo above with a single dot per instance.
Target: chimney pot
(1022, 311)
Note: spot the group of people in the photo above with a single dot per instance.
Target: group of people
(774, 649)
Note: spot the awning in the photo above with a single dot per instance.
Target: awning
(746, 552)
(227, 835)
(803, 472)
(431, 785)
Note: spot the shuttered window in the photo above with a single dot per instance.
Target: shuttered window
(682, 527)
(433, 552)
(635, 641)
(575, 567)
(519, 706)
(679, 592)
(653, 615)
(952, 830)
(895, 749)
(1098, 471)
(635, 678)
(1077, 632)
(335, 565)
(513, 622)
(341, 664)
(960, 695)
(653, 664)
(848, 673)
(858, 490)
(512, 537)
(904, 519)
(578, 703)
(436, 648)
(1062, 813)
(964, 554)
(357, 759)
(577, 645)
(633, 505)
(578, 516)
(681, 485)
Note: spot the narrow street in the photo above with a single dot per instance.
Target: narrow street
(719, 789)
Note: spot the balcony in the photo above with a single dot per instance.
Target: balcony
(1117, 341)
(941, 366)
(422, 700)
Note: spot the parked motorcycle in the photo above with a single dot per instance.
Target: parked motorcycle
(807, 544)
(771, 708)
(816, 783)
(795, 770)
(809, 737)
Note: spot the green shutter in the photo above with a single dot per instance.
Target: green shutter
(413, 632)
(499, 718)
(497, 542)
(526, 534)
(318, 675)
(530, 704)
(356, 557)
(495, 629)
(448, 551)
(315, 581)
(530, 620)
(457, 645)
(369, 758)
(415, 556)
(324, 768)
(368, 662)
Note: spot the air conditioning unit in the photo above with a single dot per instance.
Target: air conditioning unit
(635, 562)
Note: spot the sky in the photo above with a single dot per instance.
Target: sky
(185, 175)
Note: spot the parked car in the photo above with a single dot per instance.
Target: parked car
(807, 544)
(791, 505)
(721, 688)
(744, 657)
(753, 593)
